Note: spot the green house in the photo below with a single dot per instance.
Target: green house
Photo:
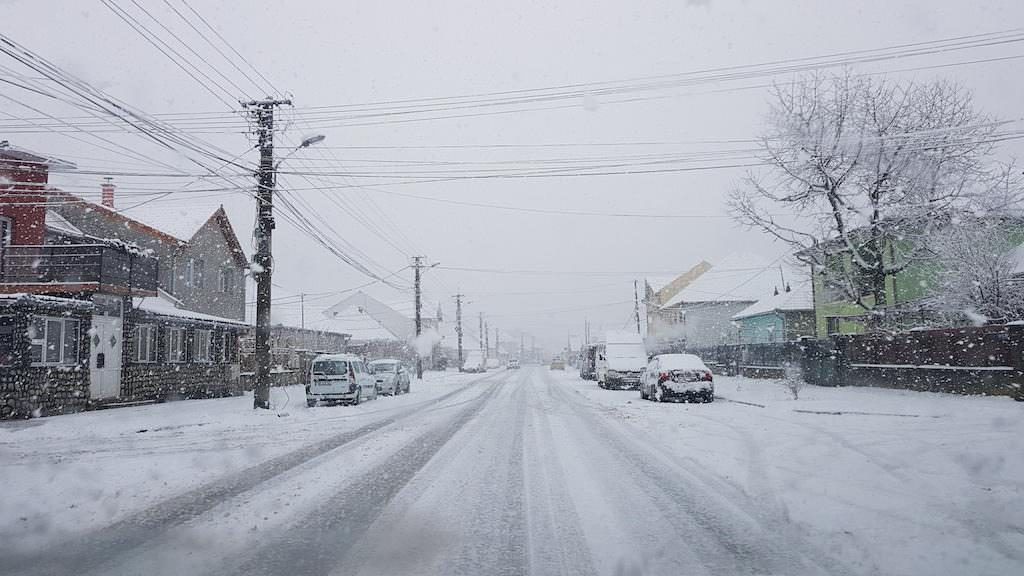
(834, 313)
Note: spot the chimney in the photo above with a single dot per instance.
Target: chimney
(108, 192)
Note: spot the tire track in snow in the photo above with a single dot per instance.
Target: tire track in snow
(326, 537)
(103, 545)
(557, 543)
(727, 529)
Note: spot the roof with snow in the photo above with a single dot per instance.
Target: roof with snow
(366, 318)
(173, 223)
(799, 297)
(165, 305)
(8, 152)
(58, 223)
(736, 278)
(179, 219)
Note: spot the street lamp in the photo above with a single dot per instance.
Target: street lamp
(306, 143)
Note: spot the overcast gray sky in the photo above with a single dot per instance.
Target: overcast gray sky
(342, 52)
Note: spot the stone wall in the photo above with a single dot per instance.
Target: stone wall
(32, 391)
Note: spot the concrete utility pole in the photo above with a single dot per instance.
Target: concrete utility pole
(417, 264)
(481, 332)
(263, 260)
(458, 324)
(636, 307)
(487, 341)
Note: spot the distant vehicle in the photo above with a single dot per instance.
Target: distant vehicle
(671, 376)
(474, 362)
(588, 357)
(621, 358)
(493, 363)
(339, 378)
(557, 364)
(513, 364)
(390, 375)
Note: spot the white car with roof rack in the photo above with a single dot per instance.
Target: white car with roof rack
(340, 379)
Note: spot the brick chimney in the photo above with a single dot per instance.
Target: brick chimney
(108, 192)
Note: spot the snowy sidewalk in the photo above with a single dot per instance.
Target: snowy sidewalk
(68, 474)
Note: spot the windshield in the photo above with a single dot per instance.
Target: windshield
(330, 368)
(513, 288)
(383, 367)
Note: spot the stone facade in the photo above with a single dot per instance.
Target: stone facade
(31, 390)
(163, 379)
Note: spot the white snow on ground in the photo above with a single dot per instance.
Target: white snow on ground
(896, 482)
(523, 471)
(69, 474)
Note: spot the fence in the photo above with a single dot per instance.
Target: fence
(983, 360)
(768, 360)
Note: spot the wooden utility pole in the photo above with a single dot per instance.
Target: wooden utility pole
(263, 260)
(636, 307)
(458, 324)
(417, 263)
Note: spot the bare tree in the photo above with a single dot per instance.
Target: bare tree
(861, 169)
(977, 256)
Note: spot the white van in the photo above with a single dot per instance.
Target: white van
(621, 358)
(340, 378)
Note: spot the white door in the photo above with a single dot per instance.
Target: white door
(105, 348)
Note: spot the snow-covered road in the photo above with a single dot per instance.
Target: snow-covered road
(524, 472)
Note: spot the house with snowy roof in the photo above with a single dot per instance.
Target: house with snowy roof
(786, 315)
(90, 314)
(657, 291)
(701, 314)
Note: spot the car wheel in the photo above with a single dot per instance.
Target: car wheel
(310, 402)
(643, 392)
(659, 394)
(358, 398)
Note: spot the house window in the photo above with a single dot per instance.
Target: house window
(194, 272)
(226, 280)
(5, 231)
(145, 343)
(230, 347)
(53, 340)
(175, 342)
(201, 346)
(7, 341)
(832, 325)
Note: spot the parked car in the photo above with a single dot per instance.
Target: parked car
(474, 362)
(671, 376)
(557, 364)
(391, 376)
(513, 364)
(621, 358)
(339, 378)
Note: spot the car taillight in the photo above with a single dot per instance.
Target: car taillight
(707, 376)
(351, 373)
(664, 377)
(352, 387)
